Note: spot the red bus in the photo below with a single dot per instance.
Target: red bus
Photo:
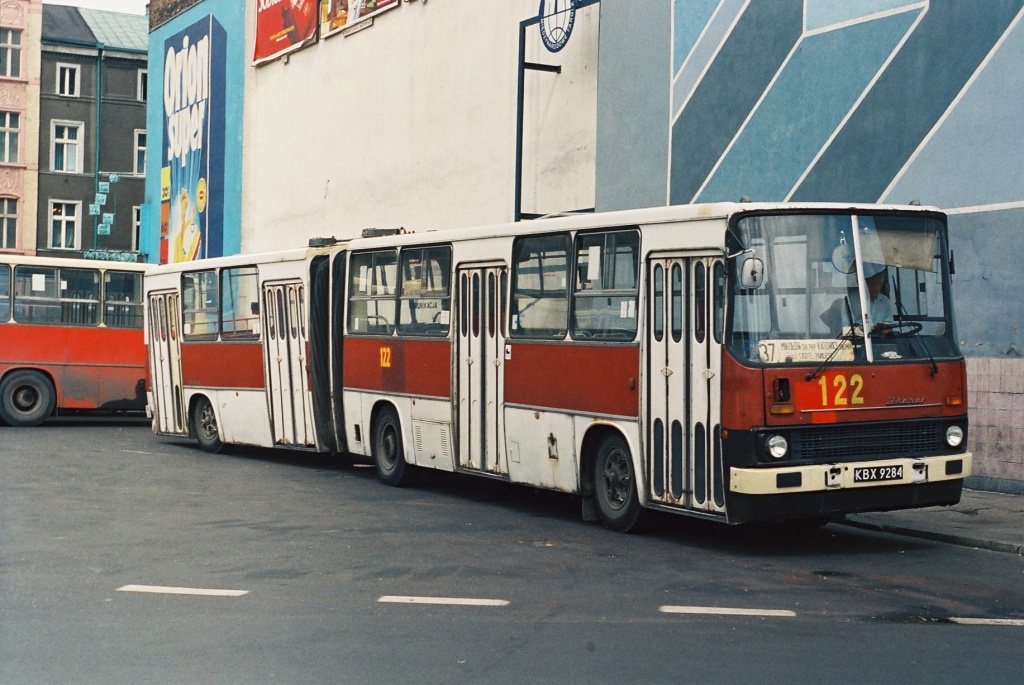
(735, 362)
(70, 338)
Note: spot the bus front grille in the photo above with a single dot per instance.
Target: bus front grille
(869, 441)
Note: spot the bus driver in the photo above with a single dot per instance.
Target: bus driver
(880, 307)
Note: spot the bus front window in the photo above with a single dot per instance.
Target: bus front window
(831, 278)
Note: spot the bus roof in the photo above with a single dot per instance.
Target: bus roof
(69, 262)
(559, 222)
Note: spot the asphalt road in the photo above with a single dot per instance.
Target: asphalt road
(337, 569)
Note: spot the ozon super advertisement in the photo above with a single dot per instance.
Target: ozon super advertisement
(192, 173)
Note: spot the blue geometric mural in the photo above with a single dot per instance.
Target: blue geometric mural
(855, 101)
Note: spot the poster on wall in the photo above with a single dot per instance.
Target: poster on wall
(336, 15)
(283, 26)
(192, 157)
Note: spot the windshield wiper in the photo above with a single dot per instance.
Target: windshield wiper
(920, 338)
(840, 339)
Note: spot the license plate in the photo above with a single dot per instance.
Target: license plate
(877, 474)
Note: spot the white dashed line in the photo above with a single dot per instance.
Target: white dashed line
(457, 601)
(724, 611)
(988, 621)
(162, 590)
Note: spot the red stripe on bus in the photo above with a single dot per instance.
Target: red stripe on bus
(91, 367)
(581, 378)
(222, 365)
(412, 367)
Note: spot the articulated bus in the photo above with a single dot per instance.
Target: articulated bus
(70, 338)
(737, 362)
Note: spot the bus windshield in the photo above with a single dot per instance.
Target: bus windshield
(816, 288)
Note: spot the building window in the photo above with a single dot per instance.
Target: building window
(66, 142)
(65, 224)
(67, 79)
(136, 226)
(8, 224)
(9, 123)
(10, 53)
(140, 152)
(142, 85)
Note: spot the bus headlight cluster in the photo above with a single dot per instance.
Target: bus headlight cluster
(954, 436)
(777, 446)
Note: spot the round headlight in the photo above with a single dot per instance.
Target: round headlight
(777, 446)
(954, 436)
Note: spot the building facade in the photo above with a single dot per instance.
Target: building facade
(92, 134)
(20, 34)
(436, 114)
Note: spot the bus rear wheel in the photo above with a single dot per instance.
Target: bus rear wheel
(389, 451)
(27, 398)
(615, 485)
(204, 426)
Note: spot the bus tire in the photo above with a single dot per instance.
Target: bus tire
(615, 485)
(27, 398)
(204, 426)
(389, 451)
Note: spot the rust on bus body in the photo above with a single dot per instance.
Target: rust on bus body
(91, 368)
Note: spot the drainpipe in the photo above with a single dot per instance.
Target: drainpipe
(96, 135)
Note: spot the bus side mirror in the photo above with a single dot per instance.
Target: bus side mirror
(752, 273)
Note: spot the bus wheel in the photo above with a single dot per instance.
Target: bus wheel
(615, 485)
(27, 398)
(389, 452)
(204, 425)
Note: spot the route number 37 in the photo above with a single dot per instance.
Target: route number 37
(842, 392)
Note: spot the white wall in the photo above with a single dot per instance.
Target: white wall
(412, 122)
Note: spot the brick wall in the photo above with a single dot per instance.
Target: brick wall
(995, 389)
(162, 11)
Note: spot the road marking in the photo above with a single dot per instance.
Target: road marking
(458, 601)
(724, 611)
(160, 589)
(988, 621)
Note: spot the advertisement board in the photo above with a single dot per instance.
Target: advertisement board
(283, 26)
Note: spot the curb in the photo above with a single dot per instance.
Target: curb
(948, 538)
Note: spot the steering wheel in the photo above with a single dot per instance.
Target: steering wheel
(902, 328)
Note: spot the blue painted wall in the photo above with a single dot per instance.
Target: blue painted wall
(225, 193)
(834, 100)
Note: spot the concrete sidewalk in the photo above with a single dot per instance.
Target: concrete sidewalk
(987, 520)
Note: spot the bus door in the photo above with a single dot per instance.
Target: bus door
(287, 379)
(684, 347)
(165, 353)
(480, 353)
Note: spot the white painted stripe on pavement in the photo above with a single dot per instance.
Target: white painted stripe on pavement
(458, 601)
(988, 621)
(160, 589)
(725, 611)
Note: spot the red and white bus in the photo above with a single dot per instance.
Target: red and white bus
(709, 360)
(70, 337)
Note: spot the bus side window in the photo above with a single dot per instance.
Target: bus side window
(79, 296)
(35, 295)
(240, 303)
(425, 299)
(372, 289)
(122, 299)
(5, 293)
(200, 305)
(540, 286)
(604, 305)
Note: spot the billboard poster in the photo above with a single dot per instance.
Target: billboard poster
(283, 26)
(336, 15)
(192, 173)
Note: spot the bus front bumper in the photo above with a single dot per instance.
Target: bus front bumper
(780, 480)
